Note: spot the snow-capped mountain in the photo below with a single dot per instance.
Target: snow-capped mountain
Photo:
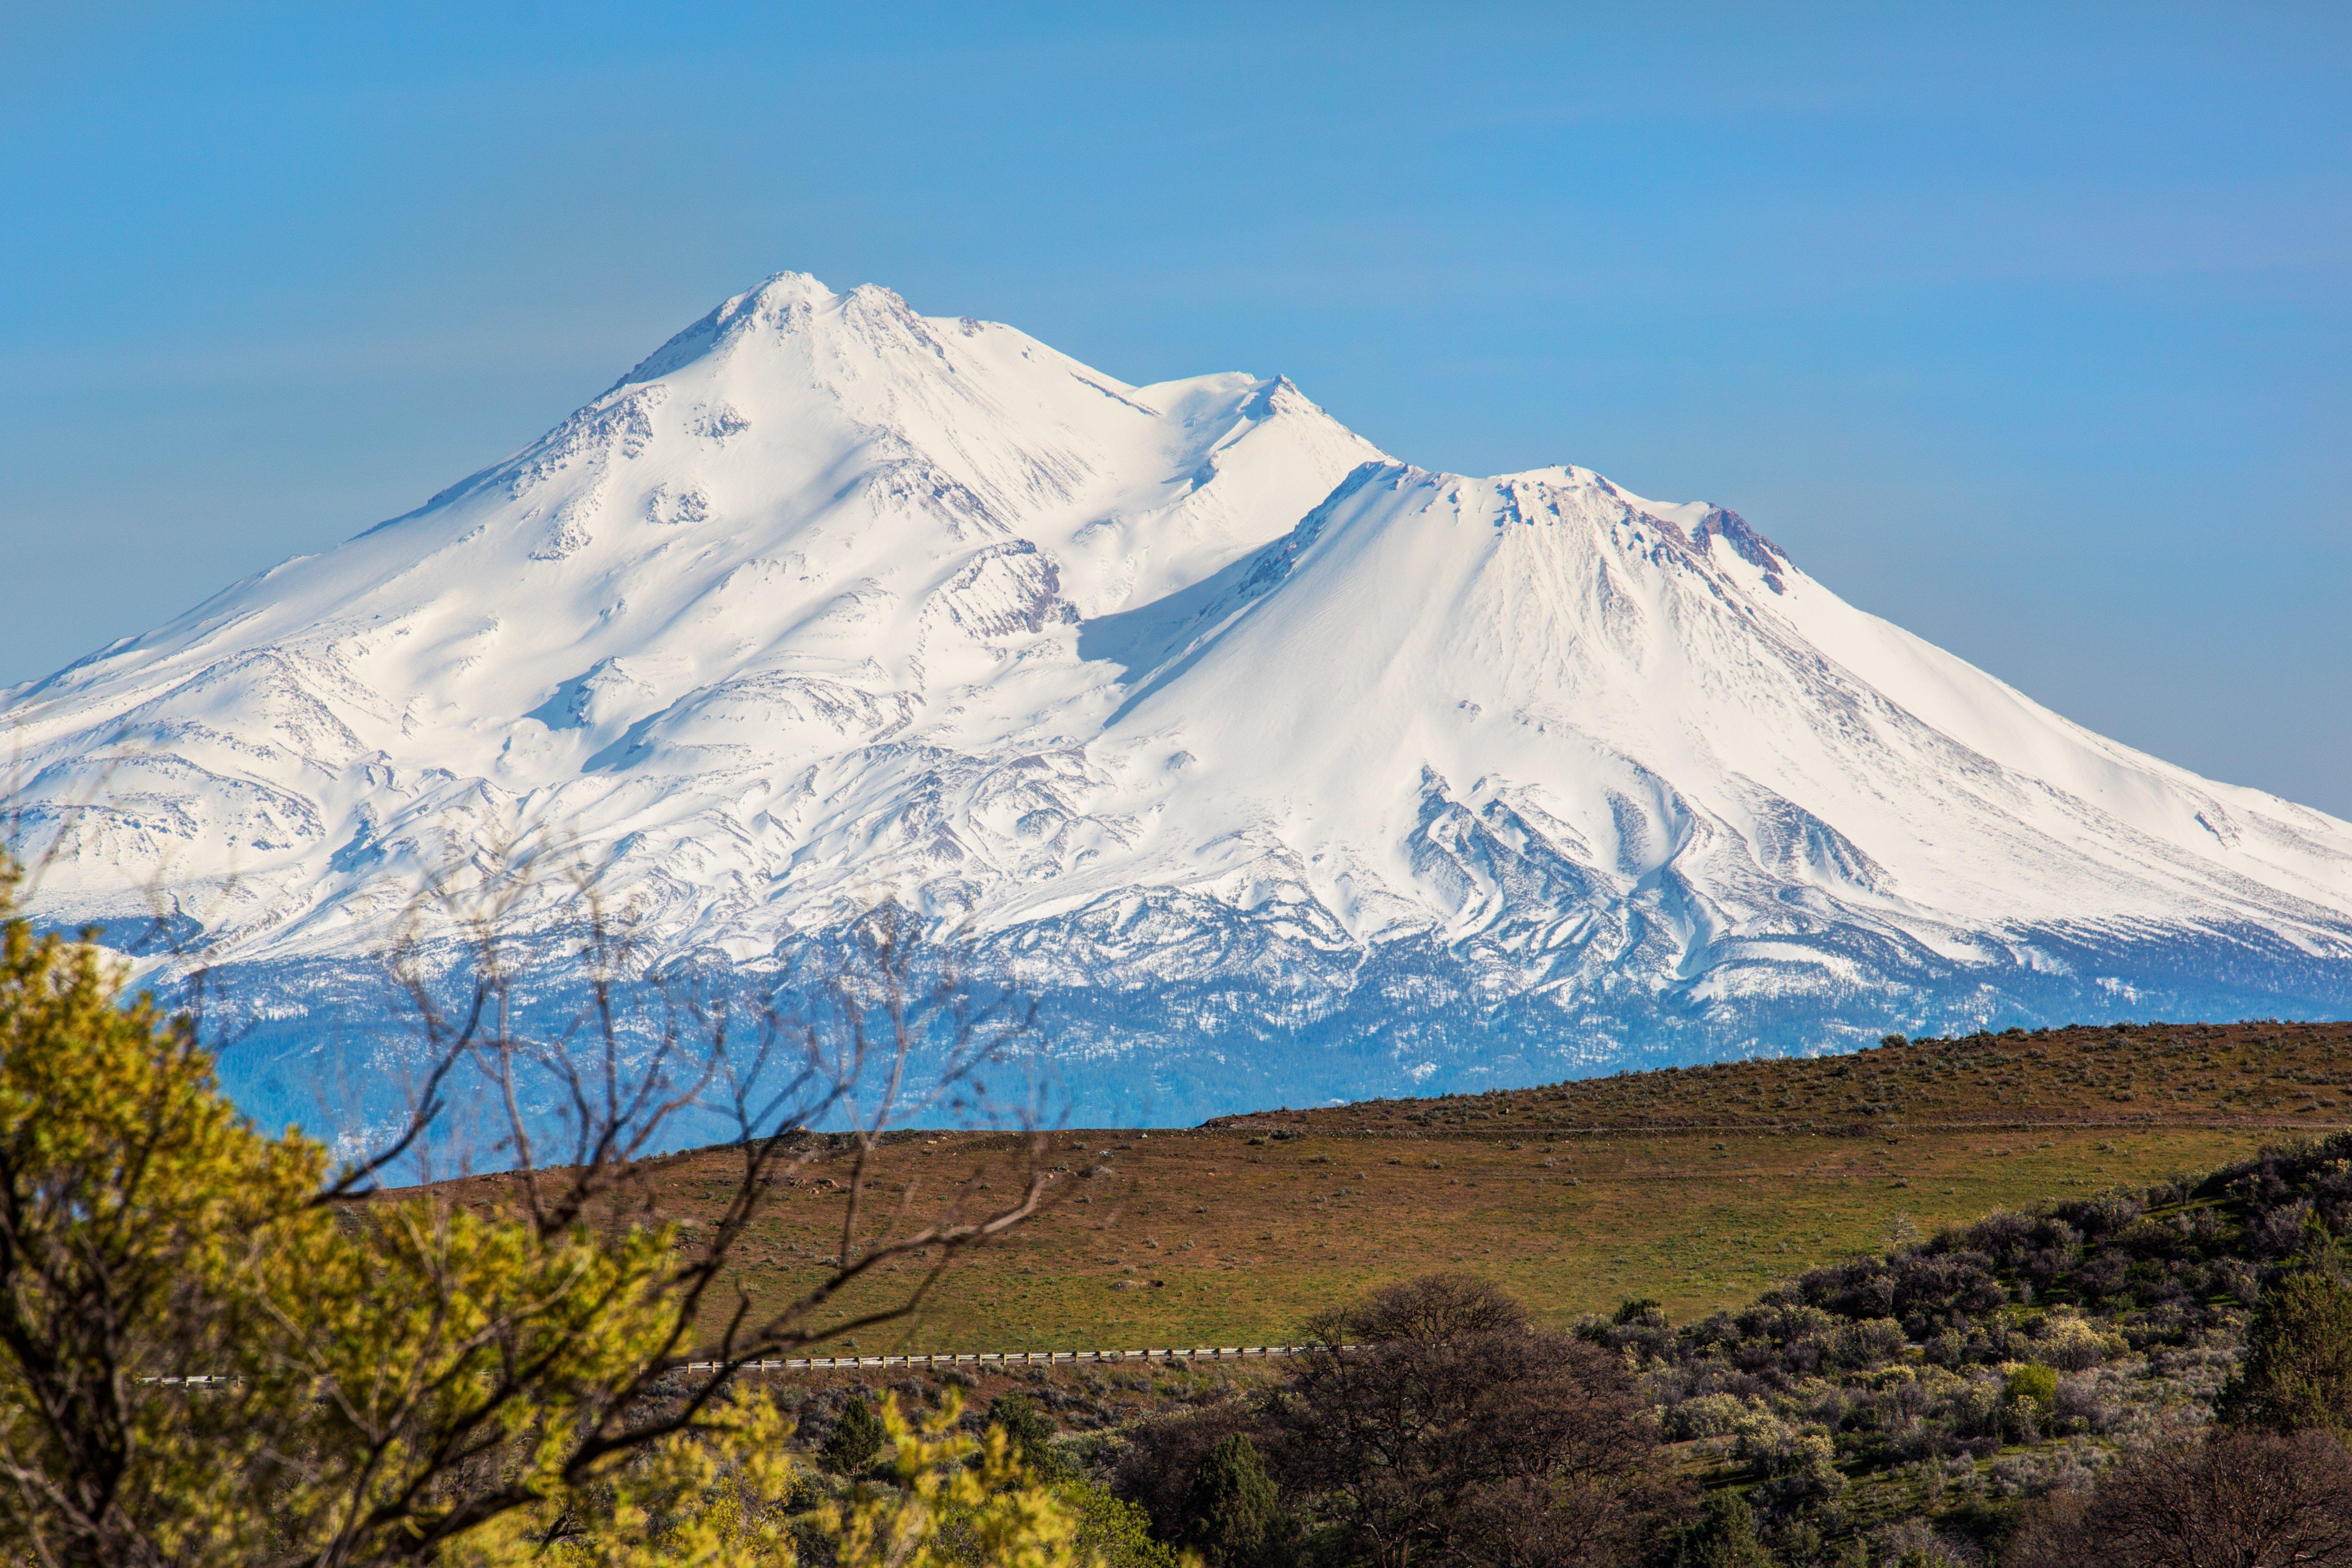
(1277, 768)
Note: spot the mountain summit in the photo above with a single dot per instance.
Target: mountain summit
(1275, 768)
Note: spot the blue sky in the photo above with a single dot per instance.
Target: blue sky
(2029, 329)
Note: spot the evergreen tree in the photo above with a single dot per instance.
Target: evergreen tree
(1234, 1517)
(2297, 1374)
(1030, 1433)
(856, 1440)
(1725, 1536)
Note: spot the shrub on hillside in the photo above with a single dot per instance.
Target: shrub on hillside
(1723, 1536)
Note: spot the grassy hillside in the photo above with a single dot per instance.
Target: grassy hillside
(2257, 1074)
(1698, 1187)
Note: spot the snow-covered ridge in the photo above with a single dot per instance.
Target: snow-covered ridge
(1284, 768)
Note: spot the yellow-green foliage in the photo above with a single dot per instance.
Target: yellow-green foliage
(733, 1496)
(2033, 1383)
(1113, 1532)
(147, 1228)
(958, 1500)
(403, 1380)
(723, 1497)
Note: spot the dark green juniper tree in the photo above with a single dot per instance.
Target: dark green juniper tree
(1233, 1517)
(2297, 1374)
(1031, 1432)
(1724, 1536)
(856, 1440)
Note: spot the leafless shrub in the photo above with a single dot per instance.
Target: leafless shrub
(1156, 1463)
(886, 1030)
(1430, 1417)
(2240, 1499)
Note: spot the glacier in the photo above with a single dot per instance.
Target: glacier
(1272, 769)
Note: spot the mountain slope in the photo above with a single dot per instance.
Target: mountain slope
(1276, 768)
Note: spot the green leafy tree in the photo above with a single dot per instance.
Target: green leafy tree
(2035, 1383)
(2297, 1371)
(2028, 1398)
(1233, 1517)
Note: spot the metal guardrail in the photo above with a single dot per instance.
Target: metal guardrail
(1008, 1358)
(968, 1357)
